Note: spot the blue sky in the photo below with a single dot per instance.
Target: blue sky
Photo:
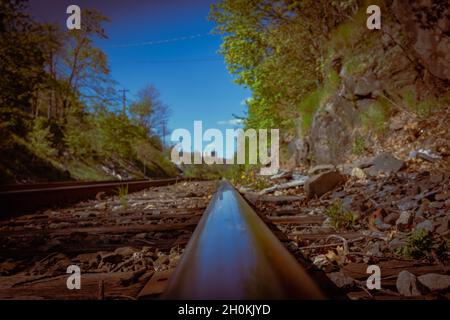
(198, 87)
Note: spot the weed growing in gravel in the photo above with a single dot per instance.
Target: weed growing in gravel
(422, 244)
(122, 193)
(340, 218)
(248, 176)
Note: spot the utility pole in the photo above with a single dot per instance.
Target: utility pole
(164, 134)
(124, 99)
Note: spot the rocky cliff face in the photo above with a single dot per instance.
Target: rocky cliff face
(401, 65)
(427, 25)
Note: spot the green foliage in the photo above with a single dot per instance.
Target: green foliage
(340, 218)
(355, 65)
(204, 171)
(275, 48)
(21, 56)
(80, 137)
(86, 170)
(13, 121)
(41, 138)
(358, 146)
(56, 102)
(315, 100)
(148, 152)
(427, 105)
(348, 34)
(247, 175)
(376, 118)
(308, 108)
(422, 244)
(116, 134)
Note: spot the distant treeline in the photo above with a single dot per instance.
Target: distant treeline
(58, 99)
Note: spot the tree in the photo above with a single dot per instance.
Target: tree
(276, 49)
(84, 67)
(21, 56)
(150, 112)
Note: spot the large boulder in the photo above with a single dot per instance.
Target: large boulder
(320, 184)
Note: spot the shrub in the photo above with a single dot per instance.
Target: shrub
(376, 118)
(340, 218)
(422, 244)
(79, 142)
(41, 138)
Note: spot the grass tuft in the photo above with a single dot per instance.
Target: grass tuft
(122, 193)
(340, 218)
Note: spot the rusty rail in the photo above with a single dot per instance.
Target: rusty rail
(24, 199)
(234, 255)
(71, 183)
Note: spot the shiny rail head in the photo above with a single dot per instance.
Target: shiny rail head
(234, 255)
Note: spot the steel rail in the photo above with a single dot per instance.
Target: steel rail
(41, 185)
(234, 255)
(22, 200)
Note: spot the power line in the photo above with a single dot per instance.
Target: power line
(156, 42)
(170, 61)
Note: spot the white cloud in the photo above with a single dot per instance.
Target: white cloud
(245, 101)
(231, 122)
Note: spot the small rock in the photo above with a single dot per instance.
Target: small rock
(341, 280)
(374, 250)
(428, 155)
(358, 173)
(322, 183)
(162, 260)
(320, 168)
(321, 261)
(385, 163)
(404, 222)
(407, 284)
(85, 215)
(60, 225)
(101, 206)
(425, 225)
(244, 189)
(406, 204)
(442, 226)
(8, 267)
(125, 251)
(376, 221)
(397, 243)
(435, 282)
(282, 175)
(442, 196)
(287, 185)
(391, 218)
(113, 258)
(298, 176)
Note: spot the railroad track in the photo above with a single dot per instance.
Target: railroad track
(232, 254)
(22, 199)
